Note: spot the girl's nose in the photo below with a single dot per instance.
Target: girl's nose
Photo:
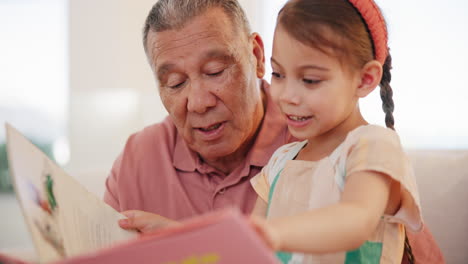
(289, 93)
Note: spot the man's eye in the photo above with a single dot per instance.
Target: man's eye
(176, 85)
(215, 73)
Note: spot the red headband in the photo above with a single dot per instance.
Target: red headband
(376, 24)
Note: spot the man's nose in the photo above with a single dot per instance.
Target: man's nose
(200, 98)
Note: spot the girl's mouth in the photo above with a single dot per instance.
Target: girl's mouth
(298, 118)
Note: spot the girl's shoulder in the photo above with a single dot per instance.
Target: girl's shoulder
(366, 147)
(372, 129)
(374, 133)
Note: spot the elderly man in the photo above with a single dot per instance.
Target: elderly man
(222, 125)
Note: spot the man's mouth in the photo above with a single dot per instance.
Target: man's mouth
(210, 128)
(211, 132)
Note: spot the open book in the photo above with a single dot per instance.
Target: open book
(69, 225)
(64, 219)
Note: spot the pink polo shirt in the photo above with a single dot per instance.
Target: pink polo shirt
(157, 172)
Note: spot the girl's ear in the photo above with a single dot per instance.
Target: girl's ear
(371, 74)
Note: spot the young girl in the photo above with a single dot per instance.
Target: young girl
(346, 192)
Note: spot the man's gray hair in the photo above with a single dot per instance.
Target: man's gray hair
(174, 14)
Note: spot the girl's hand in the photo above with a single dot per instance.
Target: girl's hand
(145, 222)
(266, 231)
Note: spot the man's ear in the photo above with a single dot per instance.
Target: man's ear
(371, 74)
(259, 53)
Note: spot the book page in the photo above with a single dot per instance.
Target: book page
(63, 217)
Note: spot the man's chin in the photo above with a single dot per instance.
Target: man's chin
(215, 152)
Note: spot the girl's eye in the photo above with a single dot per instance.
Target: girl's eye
(311, 81)
(276, 75)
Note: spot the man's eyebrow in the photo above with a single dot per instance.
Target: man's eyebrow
(218, 54)
(210, 55)
(163, 69)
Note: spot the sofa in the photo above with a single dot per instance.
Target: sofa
(442, 177)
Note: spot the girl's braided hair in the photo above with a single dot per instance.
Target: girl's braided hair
(386, 93)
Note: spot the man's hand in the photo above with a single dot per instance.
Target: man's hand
(145, 222)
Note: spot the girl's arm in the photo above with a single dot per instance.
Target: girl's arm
(340, 227)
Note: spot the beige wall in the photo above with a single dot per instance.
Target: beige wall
(112, 92)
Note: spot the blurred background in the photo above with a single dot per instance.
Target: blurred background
(75, 80)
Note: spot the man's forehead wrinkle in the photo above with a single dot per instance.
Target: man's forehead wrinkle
(191, 38)
(169, 49)
(158, 50)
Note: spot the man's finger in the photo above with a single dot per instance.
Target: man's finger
(132, 220)
(144, 222)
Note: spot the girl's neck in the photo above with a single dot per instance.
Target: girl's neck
(323, 145)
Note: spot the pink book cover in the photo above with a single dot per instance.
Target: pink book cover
(223, 237)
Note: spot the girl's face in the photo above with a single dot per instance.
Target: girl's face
(314, 91)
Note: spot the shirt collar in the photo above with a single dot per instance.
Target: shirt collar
(185, 159)
(273, 134)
